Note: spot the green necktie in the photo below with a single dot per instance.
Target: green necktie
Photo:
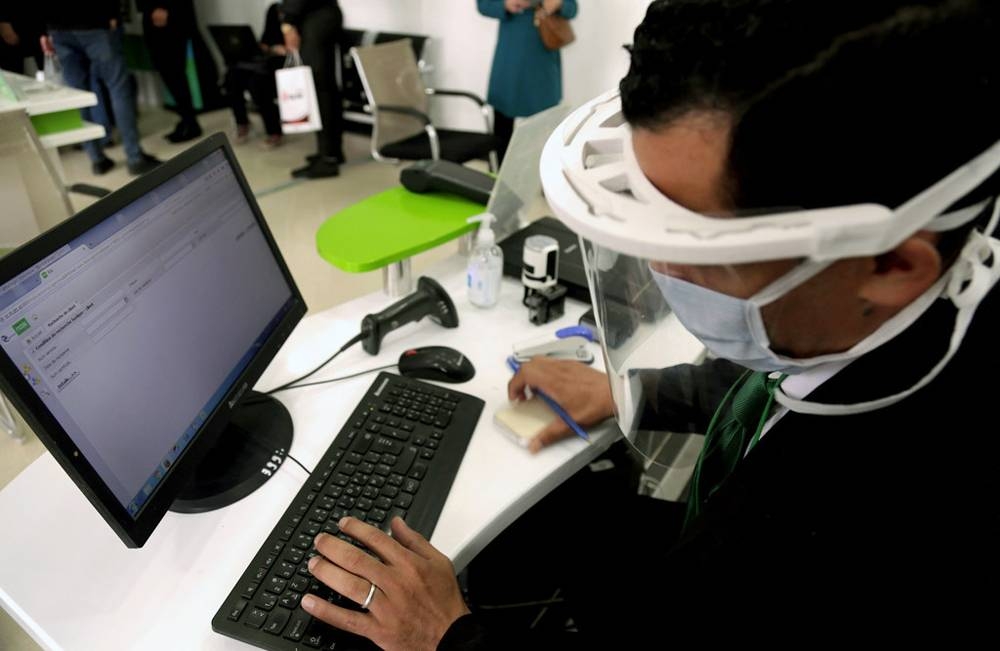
(735, 428)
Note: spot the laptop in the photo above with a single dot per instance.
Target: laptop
(236, 43)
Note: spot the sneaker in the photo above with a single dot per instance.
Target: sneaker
(321, 168)
(102, 166)
(184, 131)
(146, 163)
(273, 140)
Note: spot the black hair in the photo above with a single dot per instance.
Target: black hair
(832, 101)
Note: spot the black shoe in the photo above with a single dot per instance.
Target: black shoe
(312, 158)
(146, 163)
(184, 131)
(102, 166)
(321, 168)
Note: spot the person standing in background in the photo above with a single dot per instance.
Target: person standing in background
(314, 27)
(526, 78)
(168, 26)
(87, 41)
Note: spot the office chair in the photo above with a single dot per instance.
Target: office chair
(400, 105)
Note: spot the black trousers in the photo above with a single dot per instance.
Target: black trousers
(321, 30)
(258, 80)
(591, 539)
(168, 50)
(503, 131)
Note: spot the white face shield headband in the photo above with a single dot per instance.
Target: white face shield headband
(594, 184)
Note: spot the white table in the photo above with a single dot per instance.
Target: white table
(69, 581)
(49, 102)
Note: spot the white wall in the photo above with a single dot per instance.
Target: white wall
(462, 47)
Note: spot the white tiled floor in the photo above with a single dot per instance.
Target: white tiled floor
(294, 211)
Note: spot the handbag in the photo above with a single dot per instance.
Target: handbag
(555, 30)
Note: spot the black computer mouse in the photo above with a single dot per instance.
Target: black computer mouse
(438, 363)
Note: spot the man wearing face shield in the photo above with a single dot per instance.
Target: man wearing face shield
(810, 188)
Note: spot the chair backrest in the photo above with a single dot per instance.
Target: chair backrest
(31, 194)
(417, 42)
(391, 77)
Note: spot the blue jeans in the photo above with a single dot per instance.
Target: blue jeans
(99, 51)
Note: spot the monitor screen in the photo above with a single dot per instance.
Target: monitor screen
(131, 328)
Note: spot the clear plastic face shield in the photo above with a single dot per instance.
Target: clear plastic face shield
(671, 286)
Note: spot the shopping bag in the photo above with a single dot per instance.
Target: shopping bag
(297, 97)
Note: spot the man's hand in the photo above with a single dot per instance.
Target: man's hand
(160, 17)
(292, 38)
(416, 599)
(583, 392)
(516, 6)
(8, 34)
(46, 42)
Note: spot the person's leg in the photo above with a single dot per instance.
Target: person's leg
(264, 91)
(71, 49)
(236, 83)
(168, 50)
(105, 50)
(570, 545)
(320, 32)
(100, 113)
(503, 131)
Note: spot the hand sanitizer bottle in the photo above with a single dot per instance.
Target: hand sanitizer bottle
(485, 270)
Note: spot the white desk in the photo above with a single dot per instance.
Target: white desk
(53, 110)
(68, 580)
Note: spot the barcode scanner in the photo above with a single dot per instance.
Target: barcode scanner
(430, 300)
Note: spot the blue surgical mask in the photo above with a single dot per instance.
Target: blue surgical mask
(733, 328)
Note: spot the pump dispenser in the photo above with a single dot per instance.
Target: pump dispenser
(485, 270)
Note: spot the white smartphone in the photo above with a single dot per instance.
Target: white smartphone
(522, 421)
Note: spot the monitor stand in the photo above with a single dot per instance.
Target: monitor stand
(249, 451)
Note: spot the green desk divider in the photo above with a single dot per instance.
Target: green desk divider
(392, 226)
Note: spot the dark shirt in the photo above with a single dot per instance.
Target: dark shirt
(180, 13)
(272, 27)
(73, 14)
(296, 10)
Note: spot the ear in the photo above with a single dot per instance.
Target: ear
(899, 276)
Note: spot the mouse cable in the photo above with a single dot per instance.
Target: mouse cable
(336, 379)
(288, 385)
(288, 456)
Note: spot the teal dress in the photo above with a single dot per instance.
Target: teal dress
(526, 78)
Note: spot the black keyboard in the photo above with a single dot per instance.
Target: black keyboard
(397, 454)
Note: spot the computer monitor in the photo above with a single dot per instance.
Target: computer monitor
(131, 333)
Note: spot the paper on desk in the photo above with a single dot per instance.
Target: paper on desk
(522, 421)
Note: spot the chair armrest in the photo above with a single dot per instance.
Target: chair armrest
(484, 108)
(456, 93)
(406, 110)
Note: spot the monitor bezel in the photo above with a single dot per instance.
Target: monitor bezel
(135, 532)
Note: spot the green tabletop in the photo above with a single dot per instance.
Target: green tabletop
(392, 226)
